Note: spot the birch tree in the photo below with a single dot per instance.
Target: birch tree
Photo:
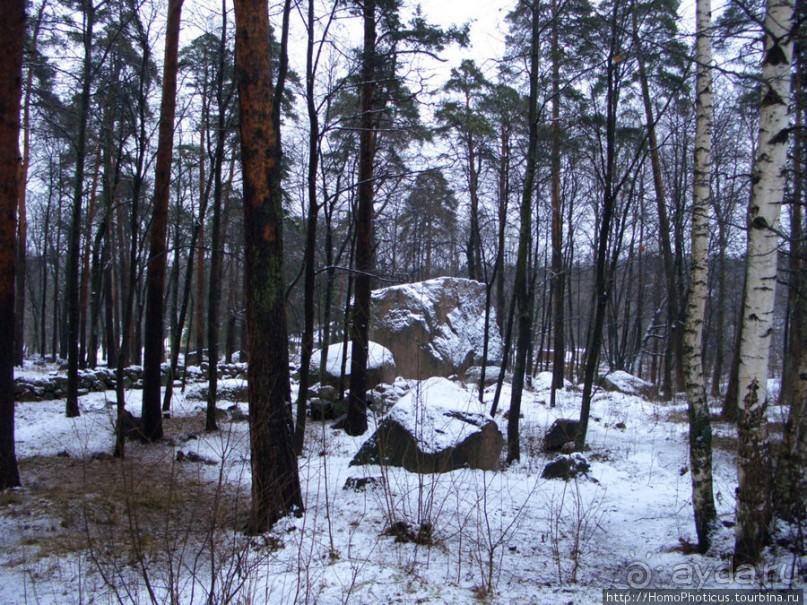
(753, 460)
(700, 429)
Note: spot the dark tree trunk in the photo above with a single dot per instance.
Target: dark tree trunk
(602, 280)
(360, 325)
(521, 287)
(12, 34)
(674, 351)
(558, 276)
(275, 480)
(22, 224)
(214, 292)
(71, 407)
(158, 261)
(309, 276)
(84, 286)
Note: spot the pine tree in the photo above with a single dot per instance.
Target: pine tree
(275, 480)
(12, 35)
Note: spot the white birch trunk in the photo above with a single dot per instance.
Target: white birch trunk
(700, 429)
(753, 461)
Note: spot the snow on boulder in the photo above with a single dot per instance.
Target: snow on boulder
(435, 327)
(566, 467)
(622, 382)
(380, 364)
(437, 427)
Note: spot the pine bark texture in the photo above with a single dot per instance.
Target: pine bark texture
(275, 480)
(158, 257)
(360, 326)
(754, 462)
(700, 428)
(22, 220)
(12, 34)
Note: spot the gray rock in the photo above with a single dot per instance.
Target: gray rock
(566, 467)
(622, 382)
(437, 428)
(360, 484)
(380, 366)
(562, 431)
(434, 328)
(474, 374)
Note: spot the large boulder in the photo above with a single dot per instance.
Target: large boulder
(380, 365)
(622, 382)
(562, 431)
(435, 327)
(438, 427)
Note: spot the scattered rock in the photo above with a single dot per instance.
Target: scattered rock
(438, 427)
(404, 533)
(327, 392)
(194, 457)
(237, 415)
(132, 426)
(566, 467)
(562, 431)
(474, 374)
(360, 484)
(340, 423)
(319, 409)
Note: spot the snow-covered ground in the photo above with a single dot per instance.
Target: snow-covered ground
(501, 537)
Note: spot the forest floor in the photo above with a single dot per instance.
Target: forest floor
(166, 523)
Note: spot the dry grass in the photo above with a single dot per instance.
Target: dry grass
(725, 442)
(144, 505)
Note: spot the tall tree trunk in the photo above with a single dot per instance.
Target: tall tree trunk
(43, 316)
(753, 460)
(720, 321)
(12, 36)
(22, 220)
(275, 480)
(360, 326)
(84, 285)
(73, 254)
(673, 353)
(503, 195)
(474, 251)
(558, 276)
(214, 292)
(700, 428)
(602, 278)
(199, 299)
(521, 287)
(309, 276)
(158, 257)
